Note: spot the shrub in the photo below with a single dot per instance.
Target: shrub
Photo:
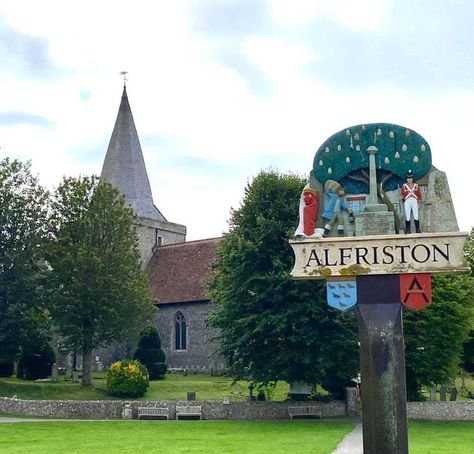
(150, 353)
(6, 369)
(127, 379)
(36, 361)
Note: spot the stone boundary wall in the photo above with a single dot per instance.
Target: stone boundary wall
(455, 411)
(113, 409)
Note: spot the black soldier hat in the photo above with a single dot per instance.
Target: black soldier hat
(410, 174)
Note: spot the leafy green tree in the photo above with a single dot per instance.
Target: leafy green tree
(36, 360)
(468, 346)
(150, 353)
(98, 290)
(434, 336)
(272, 326)
(23, 232)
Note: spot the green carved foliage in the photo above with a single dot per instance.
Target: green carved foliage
(399, 149)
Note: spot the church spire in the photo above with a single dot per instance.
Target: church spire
(124, 166)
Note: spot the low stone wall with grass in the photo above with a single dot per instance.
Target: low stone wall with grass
(456, 411)
(113, 409)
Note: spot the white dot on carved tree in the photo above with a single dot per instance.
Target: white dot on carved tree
(391, 134)
(404, 147)
(386, 160)
(327, 150)
(356, 136)
(358, 147)
(329, 170)
(423, 147)
(397, 155)
(415, 159)
(348, 133)
(379, 132)
(407, 132)
(348, 159)
(339, 148)
(321, 162)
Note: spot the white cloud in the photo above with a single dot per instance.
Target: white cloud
(198, 107)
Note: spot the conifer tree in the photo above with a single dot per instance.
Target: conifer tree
(150, 353)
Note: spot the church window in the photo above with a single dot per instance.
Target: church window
(158, 238)
(180, 331)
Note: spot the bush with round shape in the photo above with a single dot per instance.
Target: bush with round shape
(150, 353)
(127, 379)
(36, 362)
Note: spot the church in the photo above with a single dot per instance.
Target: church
(178, 270)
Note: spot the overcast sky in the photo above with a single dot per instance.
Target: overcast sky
(221, 89)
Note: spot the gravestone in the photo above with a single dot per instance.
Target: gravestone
(381, 175)
(54, 373)
(442, 393)
(453, 395)
(432, 394)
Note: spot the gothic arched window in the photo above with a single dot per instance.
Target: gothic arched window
(180, 332)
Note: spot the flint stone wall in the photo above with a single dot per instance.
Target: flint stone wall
(112, 409)
(455, 411)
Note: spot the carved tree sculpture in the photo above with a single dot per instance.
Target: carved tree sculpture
(344, 158)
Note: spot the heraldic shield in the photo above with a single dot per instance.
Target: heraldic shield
(341, 295)
(415, 290)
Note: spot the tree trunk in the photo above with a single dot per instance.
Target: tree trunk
(87, 333)
(87, 367)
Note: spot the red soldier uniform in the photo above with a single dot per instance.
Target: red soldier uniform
(411, 194)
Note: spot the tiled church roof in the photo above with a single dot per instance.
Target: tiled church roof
(179, 272)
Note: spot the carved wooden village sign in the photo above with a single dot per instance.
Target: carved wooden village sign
(376, 220)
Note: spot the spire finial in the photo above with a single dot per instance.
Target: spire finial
(124, 75)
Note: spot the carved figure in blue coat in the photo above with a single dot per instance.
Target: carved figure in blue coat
(335, 204)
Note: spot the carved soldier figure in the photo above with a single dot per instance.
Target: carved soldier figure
(411, 195)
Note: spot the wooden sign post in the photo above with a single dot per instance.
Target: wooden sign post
(370, 263)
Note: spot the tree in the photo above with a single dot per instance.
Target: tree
(98, 290)
(150, 353)
(434, 336)
(23, 232)
(468, 346)
(343, 157)
(273, 327)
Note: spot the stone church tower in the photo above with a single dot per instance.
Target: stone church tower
(124, 167)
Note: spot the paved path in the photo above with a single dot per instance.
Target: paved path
(352, 443)
(9, 419)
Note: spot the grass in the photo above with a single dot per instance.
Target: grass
(441, 437)
(223, 437)
(173, 387)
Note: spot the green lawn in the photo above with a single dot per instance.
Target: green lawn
(173, 387)
(220, 437)
(205, 437)
(441, 437)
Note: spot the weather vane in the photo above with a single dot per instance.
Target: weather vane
(124, 75)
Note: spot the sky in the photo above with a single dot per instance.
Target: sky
(222, 89)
